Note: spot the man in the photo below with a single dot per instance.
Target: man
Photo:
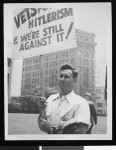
(65, 112)
(93, 115)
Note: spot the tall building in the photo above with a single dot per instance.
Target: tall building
(43, 70)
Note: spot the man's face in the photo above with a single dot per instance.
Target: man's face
(66, 81)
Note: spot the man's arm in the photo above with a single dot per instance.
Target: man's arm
(75, 128)
(42, 119)
(80, 122)
(82, 115)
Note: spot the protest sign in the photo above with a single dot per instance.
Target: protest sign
(39, 31)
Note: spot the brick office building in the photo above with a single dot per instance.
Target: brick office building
(43, 70)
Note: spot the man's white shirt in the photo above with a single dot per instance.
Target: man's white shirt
(69, 109)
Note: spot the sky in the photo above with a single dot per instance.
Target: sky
(91, 17)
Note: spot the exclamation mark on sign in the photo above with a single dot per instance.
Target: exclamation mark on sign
(69, 30)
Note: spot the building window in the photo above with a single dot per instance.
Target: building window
(91, 78)
(85, 62)
(34, 60)
(80, 78)
(98, 97)
(99, 104)
(72, 53)
(33, 67)
(91, 62)
(34, 74)
(46, 65)
(38, 73)
(79, 53)
(49, 72)
(46, 80)
(86, 78)
(72, 60)
(37, 60)
(63, 61)
(91, 55)
(85, 54)
(99, 111)
(80, 61)
(56, 64)
(88, 46)
(91, 70)
(37, 80)
(92, 40)
(96, 90)
(63, 54)
(46, 72)
(27, 62)
(86, 69)
(92, 88)
(80, 68)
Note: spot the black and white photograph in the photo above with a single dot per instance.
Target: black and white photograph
(58, 71)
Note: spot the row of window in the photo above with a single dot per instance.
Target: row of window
(55, 63)
(85, 69)
(50, 80)
(85, 54)
(36, 74)
(86, 61)
(31, 60)
(51, 72)
(85, 38)
(27, 84)
(48, 65)
(30, 68)
(85, 86)
(55, 71)
(31, 74)
(99, 104)
(83, 46)
(86, 78)
(61, 55)
(31, 81)
(98, 91)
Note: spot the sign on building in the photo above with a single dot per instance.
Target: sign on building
(39, 31)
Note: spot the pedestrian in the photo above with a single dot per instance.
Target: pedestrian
(65, 112)
(93, 114)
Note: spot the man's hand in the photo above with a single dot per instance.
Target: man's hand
(43, 103)
(45, 125)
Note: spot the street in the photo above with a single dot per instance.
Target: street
(19, 124)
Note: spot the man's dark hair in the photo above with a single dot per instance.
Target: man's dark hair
(69, 66)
